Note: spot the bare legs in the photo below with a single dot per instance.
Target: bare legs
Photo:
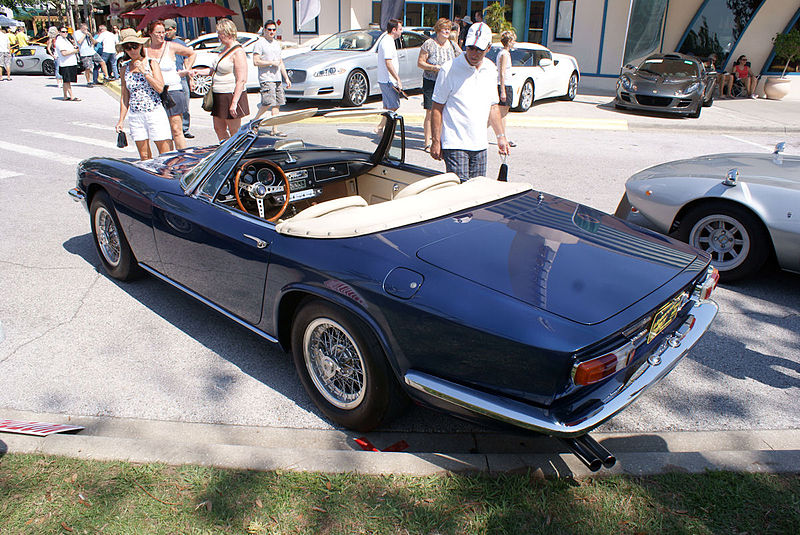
(426, 126)
(225, 128)
(176, 126)
(164, 145)
(66, 88)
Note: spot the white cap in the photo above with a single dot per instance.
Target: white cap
(479, 35)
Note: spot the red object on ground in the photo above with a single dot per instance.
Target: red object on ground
(366, 445)
(39, 429)
(205, 9)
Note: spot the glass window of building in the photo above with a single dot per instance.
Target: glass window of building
(717, 26)
(251, 12)
(644, 29)
(536, 22)
(778, 63)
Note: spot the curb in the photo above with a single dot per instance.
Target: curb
(335, 451)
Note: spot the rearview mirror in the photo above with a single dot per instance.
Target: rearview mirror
(545, 62)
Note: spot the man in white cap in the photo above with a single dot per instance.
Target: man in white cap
(464, 99)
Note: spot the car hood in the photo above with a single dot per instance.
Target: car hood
(783, 171)
(314, 58)
(648, 81)
(562, 257)
(175, 164)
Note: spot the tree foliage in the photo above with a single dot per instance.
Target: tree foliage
(787, 46)
(495, 16)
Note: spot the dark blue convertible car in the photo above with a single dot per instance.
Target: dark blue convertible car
(389, 282)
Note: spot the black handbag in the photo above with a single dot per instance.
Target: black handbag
(122, 140)
(166, 100)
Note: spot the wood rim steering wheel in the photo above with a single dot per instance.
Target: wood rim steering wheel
(267, 190)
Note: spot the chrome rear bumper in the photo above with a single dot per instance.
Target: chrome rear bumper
(543, 421)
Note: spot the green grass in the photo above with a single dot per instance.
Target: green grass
(42, 494)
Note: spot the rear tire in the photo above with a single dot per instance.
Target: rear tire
(112, 246)
(343, 368)
(526, 96)
(736, 239)
(48, 67)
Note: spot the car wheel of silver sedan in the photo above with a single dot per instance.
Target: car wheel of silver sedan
(112, 247)
(734, 237)
(356, 89)
(202, 84)
(572, 87)
(526, 96)
(343, 367)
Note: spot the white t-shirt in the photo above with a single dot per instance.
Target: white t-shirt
(268, 52)
(109, 41)
(5, 44)
(65, 60)
(467, 94)
(387, 50)
(86, 48)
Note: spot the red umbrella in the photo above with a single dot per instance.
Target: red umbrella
(159, 12)
(205, 9)
(136, 13)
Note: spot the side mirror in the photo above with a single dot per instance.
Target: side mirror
(545, 62)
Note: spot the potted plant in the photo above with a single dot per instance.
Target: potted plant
(787, 45)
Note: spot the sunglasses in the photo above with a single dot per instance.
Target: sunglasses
(130, 46)
(272, 29)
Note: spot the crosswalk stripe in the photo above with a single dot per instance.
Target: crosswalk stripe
(95, 126)
(79, 139)
(38, 153)
(8, 174)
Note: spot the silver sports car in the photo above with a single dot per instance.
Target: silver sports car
(740, 208)
(33, 60)
(667, 83)
(345, 66)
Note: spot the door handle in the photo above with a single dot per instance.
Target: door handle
(261, 244)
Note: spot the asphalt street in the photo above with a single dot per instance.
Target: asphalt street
(73, 341)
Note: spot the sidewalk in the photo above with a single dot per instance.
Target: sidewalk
(335, 451)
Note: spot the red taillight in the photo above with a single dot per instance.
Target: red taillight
(709, 284)
(598, 368)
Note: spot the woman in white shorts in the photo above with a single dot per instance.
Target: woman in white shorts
(141, 84)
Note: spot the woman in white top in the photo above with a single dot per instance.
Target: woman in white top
(504, 89)
(229, 77)
(67, 53)
(141, 84)
(164, 52)
(5, 54)
(434, 52)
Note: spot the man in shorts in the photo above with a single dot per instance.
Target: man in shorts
(5, 54)
(267, 57)
(388, 65)
(86, 53)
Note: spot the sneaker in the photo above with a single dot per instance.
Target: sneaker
(753, 96)
(188, 135)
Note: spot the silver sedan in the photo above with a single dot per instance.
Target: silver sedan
(740, 208)
(345, 66)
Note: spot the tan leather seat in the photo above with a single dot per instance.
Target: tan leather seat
(429, 184)
(327, 207)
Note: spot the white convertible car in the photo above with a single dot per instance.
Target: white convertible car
(538, 73)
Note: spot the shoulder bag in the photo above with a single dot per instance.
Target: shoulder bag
(166, 100)
(208, 99)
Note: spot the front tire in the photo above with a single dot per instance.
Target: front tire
(526, 96)
(343, 367)
(572, 87)
(696, 113)
(112, 246)
(734, 237)
(356, 89)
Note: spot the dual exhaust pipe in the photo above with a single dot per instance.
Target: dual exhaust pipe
(590, 452)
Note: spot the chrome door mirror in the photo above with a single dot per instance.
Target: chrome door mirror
(545, 62)
(731, 178)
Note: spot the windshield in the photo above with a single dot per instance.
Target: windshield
(352, 40)
(670, 67)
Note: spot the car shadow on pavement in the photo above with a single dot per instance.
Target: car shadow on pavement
(610, 106)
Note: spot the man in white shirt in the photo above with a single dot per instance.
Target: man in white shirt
(267, 57)
(109, 53)
(5, 54)
(86, 44)
(388, 65)
(465, 98)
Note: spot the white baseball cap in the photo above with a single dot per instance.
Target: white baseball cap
(479, 35)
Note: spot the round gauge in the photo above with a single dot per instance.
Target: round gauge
(266, 176)
(225, 189)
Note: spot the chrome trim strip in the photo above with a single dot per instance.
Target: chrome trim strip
(208, 303)
(77, 195)
(543, 421)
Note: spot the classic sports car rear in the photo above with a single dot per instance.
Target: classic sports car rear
(666, 83)
(486, 299)
(33, 60)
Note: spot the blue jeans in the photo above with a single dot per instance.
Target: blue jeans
(186, 118)
(111, 65)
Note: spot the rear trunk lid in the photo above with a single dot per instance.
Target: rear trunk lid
(559, 256)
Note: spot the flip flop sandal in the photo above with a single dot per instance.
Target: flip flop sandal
(74, 99)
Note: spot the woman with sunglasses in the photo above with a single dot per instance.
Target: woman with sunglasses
(741, 71)
(140, 100)
(67, 53)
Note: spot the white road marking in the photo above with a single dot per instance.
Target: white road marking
(80, 139)
(37, 153)
(8, 174)
(759, 145)
(94, 125)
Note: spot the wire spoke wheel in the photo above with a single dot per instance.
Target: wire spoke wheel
(334, 363)
(107, 236)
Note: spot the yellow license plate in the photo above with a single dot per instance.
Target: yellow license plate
(665, 315)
